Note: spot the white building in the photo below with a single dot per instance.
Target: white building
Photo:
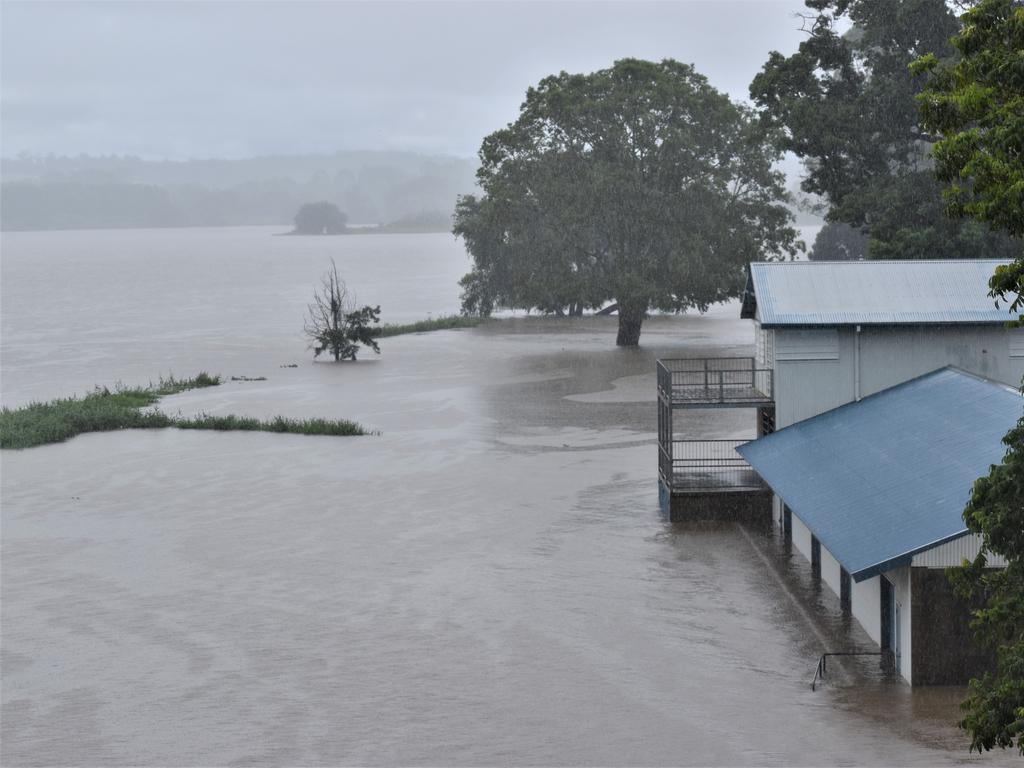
(874, 493)
(833, 332)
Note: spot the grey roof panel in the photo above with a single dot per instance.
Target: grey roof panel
(872, 293)
(879, 480)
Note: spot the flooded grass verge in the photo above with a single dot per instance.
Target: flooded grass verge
(442, 323)
(103, 410)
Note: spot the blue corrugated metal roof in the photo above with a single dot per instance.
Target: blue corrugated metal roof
(871, 292)
(879, 480)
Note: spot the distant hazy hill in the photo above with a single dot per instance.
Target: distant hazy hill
(88, 192)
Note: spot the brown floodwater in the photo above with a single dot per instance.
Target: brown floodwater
(487, 582)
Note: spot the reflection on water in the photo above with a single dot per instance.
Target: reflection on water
(488, 582)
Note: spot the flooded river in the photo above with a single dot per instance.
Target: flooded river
(488, 582)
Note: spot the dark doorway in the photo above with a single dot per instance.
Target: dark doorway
(815, 558)
(845, 591)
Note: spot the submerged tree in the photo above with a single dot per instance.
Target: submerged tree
(321, 218)
(845, 103)
(333, 324)
(639, 184)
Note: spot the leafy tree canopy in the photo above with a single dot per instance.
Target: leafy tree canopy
(639, 184)
(845, 103)
(975, 103)
(837, 241)
(995, 706)
(321, 218)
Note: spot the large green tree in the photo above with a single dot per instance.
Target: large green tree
(975, 104)
(845, 104)
(639, 184)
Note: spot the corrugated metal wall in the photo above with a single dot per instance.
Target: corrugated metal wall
(954, 553)
(809, 382)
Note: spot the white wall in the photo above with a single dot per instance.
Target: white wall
(802, 538)
(808, 382)
(867, 607)
(830, 571)
(865, 596)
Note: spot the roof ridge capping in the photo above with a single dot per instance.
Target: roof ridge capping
(869, 262)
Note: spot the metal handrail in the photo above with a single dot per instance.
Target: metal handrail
(822, 666)
(714, 380)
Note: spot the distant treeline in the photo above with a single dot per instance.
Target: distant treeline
(88, 192)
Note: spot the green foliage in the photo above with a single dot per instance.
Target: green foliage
(103, 410)
(337, 428)
(975, 103)
(847, 105)
(334, 325)
(441, 323)
(99, 411)
(321, 218)
(639, 184)
(839, 242)
(995, 706)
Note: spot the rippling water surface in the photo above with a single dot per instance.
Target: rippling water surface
(487, 582)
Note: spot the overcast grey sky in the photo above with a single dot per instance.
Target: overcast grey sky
(234, 79)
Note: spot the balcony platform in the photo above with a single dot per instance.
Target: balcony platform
(708, 479)
(709, 382)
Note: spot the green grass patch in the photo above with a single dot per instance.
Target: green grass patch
(337, 428)
(103, 410)
(442, 323)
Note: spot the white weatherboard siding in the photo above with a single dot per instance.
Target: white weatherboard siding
(954, 553)
(764, 347)
(800, 345)
(813, 376)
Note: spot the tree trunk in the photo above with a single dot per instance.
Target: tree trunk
(631, 316)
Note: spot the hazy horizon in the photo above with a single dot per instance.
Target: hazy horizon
(232, 80)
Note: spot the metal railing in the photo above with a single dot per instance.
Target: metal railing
(822, 667)
(706, 465)
(714, 380)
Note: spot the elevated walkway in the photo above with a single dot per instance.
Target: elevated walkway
(707, 477)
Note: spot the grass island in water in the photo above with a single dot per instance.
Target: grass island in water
(103, 410)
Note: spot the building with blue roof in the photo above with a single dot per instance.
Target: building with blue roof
(878, 488)
(867, 450)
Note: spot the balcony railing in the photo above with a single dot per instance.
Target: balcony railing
(706, 466)
(723, 381)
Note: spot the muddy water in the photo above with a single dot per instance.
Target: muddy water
(487, 582)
